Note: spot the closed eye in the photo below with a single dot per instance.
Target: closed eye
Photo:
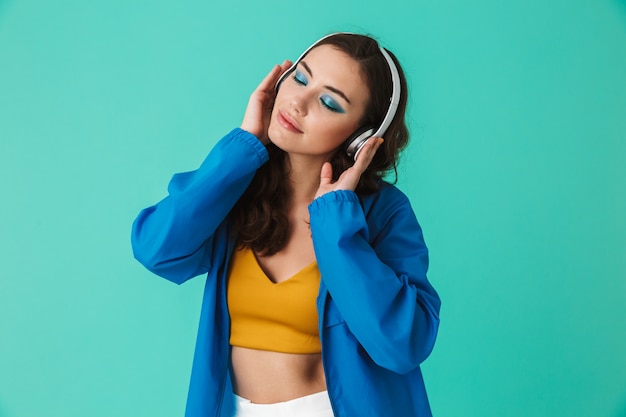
(327, 101)
(330, 103)
(300, 78)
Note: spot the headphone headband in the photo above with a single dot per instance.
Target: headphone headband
(394, 100)
(355, 144)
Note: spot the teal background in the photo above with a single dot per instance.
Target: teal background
(517, 172)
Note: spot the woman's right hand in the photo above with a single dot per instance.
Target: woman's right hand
(256, 120)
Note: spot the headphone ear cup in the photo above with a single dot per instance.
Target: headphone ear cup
(356, 141)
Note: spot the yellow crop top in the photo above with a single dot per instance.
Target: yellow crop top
(280, 317)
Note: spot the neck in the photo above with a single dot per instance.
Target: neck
(304, 175)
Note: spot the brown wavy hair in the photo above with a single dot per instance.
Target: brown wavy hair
(260, 217)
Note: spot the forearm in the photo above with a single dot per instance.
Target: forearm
(174, 237)
(376, 275)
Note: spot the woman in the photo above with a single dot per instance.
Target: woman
(316, 301)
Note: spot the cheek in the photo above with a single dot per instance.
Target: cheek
(344, 131)
(335, 136)
(284, 93)
(278, 100)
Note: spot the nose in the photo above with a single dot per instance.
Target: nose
(299, 103)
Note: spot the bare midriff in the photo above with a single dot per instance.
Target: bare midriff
(266, 377)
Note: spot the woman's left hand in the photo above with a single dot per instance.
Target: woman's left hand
(349, 179)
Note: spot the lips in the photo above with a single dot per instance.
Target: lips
(288, 122)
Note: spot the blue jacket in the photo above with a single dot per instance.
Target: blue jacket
(378, 314)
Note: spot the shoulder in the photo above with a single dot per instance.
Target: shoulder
(389, 211)
(387, 197)
(392, 226)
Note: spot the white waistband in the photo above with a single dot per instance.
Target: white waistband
(314, 405)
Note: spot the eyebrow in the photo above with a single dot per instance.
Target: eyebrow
(333, 89)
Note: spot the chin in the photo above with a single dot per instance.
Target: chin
(271, 129)
(273, 133)
(278, 136)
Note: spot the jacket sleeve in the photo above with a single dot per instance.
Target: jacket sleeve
(375, 270)
(176, 237)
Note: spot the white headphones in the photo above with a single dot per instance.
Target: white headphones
(356, 141)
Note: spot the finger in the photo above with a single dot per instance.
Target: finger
(270, 79)
(363, 150)
(285, 66)
(366, 154)
(326, 175)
